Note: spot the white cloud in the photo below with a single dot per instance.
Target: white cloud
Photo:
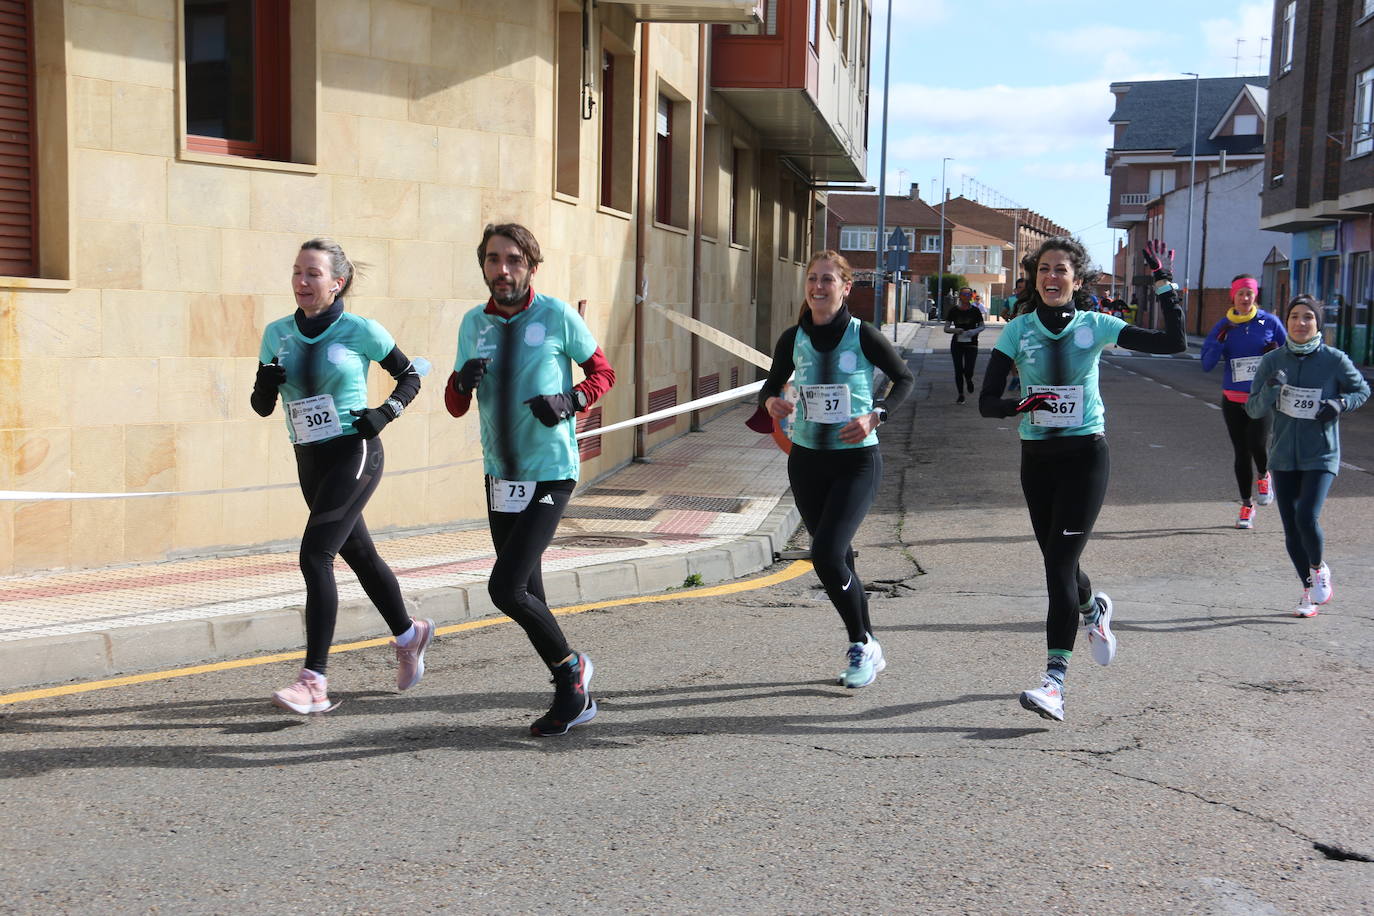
(909, 12)
(997, 122)
(1252, 22)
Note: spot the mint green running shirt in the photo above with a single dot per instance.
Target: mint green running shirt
(1067, 358)
(531, 354)
(335, 363)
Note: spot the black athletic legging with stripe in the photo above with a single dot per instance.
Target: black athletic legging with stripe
(338, 477)
(1065, 483)
(833, 490)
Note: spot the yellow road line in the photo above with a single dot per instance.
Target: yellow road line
(790, 571)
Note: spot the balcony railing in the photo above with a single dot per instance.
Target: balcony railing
(726, 11)
(1134, 200)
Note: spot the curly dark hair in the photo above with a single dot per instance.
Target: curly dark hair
(522, 237)
(1078, 260)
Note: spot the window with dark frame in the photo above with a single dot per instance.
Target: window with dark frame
(608, 130)
(238, 77)
(663, 156)
(18, 164)
(1277, 149)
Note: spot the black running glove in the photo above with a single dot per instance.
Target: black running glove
(1331, 409)
(1038, 401)
(1159, 258)
(1278, 378)
(271, 376)
(551, 409)
(368, 423)
(470, 375)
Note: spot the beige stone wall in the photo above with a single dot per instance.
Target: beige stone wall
(133, 372)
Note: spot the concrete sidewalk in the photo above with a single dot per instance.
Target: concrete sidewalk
(711, 504)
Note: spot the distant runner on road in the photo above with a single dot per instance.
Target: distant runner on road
(1306, 386)
(1240, 339)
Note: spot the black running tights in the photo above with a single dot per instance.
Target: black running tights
(833, 489)
(516, 585)
(337, 478)
(1250, 442)
(1065, 484)
(964, 355)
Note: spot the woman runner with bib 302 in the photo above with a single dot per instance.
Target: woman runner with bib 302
(317, 361)
(1056, 346)
(1306, 386)
(834, 465)
(1241, 338)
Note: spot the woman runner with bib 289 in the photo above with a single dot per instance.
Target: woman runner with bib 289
(834, 465)
(1241, 338)
(1056, 346)
(1306, 385)
(317, 360)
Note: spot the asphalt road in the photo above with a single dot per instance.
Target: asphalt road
(727, 774)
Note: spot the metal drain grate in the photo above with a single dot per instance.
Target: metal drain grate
(597, 542)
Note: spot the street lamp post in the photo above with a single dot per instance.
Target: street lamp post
(1192, 180)
(940, 268)
(880, 272)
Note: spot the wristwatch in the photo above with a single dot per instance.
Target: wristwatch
(1165, 287)
(580, 399)
(882, 414)
(397, 408)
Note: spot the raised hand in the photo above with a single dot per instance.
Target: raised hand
(271, 376)
(1158, 256)
(470, 375)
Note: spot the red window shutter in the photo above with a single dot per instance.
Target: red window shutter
(18, 175)
(662, 399)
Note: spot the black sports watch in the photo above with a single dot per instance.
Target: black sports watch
(580, 399)
(882, 414)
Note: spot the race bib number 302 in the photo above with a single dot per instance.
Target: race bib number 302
(826, 403)
(510, 495)
(314, 419)
(1300, 403)
(1066, 411)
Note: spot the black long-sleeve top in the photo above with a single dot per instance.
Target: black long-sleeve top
(877, 349)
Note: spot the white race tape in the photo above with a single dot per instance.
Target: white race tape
(715, 336)
(732, 395)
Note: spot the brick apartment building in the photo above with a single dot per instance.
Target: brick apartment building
(1319, 169)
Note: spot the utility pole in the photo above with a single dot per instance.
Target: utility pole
(1192, 180)
(940, 269)
(880, 296)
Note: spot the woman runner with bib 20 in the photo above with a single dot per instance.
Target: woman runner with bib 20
(1241, 338)
(1056, 346)
(317, 361)
(1306, 386)
(834, 465)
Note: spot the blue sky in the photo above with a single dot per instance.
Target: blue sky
(1016, 92)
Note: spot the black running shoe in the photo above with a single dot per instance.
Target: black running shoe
(572, 704)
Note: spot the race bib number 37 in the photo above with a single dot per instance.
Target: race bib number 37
(826, 403)
(1066, 411)
(313, 419)
(1300, 403)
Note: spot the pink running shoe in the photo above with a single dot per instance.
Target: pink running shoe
(410, 660)
(1265, 493)
(305, 696)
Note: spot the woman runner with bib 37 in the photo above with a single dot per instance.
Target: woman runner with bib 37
(1056, 346)
(317, 360)
(1241, 338)
(834, 465)
(1306, 386)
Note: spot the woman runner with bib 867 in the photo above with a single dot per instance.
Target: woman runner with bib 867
(1306, 386)
(1056, 346)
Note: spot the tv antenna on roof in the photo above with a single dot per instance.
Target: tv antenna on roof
(1236, 57)
(1260, 68)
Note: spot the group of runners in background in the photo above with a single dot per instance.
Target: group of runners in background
(1283, 393)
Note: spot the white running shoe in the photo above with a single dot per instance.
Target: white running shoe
(1321, 585)
(1264, 491)
(1305, 606)
(1100, 637)
(866, 661)
(1047, 700)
